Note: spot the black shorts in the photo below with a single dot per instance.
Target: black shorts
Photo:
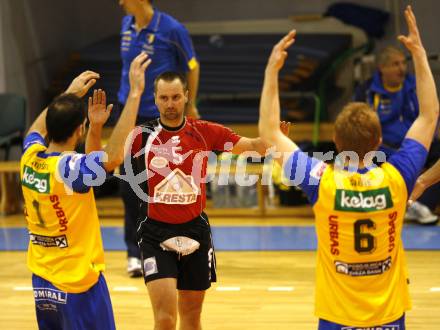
(193, 272)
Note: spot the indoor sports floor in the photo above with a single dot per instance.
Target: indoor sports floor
(265, 269)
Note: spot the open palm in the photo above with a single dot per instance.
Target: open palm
(412, 41)
(82, 83)
(98, 111)
(285, 127)
(279, 51)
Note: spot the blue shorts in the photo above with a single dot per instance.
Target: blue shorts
(56, 309)
(396, 325)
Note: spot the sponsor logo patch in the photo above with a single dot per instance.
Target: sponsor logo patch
(175, 139)
(150, 38)
(36, 181)
(176, 188)
(384, 327)
(40, 165)
(363, 201)
(49, 241)
(159, 162)
(47, 307)
(51, 295)
(363, 269)
(150, 266)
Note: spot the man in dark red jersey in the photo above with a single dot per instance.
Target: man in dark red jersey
(173, 232)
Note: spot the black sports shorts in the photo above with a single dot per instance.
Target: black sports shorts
(195, 271)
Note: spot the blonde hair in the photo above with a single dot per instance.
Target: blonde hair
(384, 55)
(357, 128)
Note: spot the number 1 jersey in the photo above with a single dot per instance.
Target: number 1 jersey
(65, 246)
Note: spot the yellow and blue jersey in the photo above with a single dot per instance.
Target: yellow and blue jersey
(361, 274)
(397, 109)
(65, 246)
(167, 43)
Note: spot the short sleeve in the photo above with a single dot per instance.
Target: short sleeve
(80, 172)
(185, 50)
(305, 172)
(409, 160)
(220, 138)
(31, 139)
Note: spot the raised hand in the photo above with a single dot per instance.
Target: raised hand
(279, 51)
(82, 83)
(285, 127)
(412, 41)
(137, 73)
(98, 111)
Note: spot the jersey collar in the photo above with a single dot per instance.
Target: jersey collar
(42, 154)
(172, 129)
(153, 25)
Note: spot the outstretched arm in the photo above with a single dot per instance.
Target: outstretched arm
(269, 123)
(257, 144)
(127, 120)
(79, 86)
(98, 113)
(426, 180)
(423, 128)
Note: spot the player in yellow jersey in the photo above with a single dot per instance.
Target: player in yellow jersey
(65, 253)
(361, 275)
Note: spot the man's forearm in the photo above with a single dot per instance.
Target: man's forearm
(193, 85)
(431, 176)
(269, 122)
(126, 123)
(260, 146)
(39, 125)
(93, 140)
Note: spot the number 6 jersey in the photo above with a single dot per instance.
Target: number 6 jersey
(361, 274)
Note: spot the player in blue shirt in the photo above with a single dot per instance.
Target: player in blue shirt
(391, 92)
(168, 44)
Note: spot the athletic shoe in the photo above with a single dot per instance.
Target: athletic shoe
(421, 214)
(134, 267)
